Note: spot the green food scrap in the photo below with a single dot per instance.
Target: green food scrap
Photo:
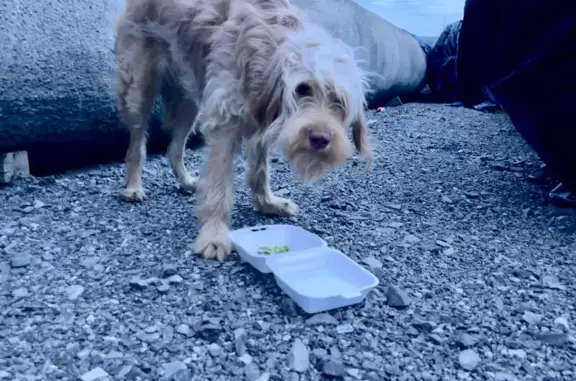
(267, 250)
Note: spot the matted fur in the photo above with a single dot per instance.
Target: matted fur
(260, 75)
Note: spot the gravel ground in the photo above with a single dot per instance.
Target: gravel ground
(476, 269)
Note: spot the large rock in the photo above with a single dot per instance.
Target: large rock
(57, 97)
(56, 66)
(393, 54)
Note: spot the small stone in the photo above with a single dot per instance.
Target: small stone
(322, 319)
(215, 350)
(208, 331)
(245, 359)
(184, 329)
(20, 260)
(411, 239)
(94, 374)
(148, 337)
(561, 323)
(531, 318)
(554, 339)
(552, 283)
(424, 326)
(465, 340)
(299, 357)
(138, 283)
(468, 360)
(114, 355)
(73, 292)
(264, 377)
(169, 270)
(123, 373)
(172, 367)
(518, 353)
(174, 279)
(89, 262)
(333, 368)
(4, 375)
(251, 371)
(181, 375)
(83, 353)
(397, 298)
(372, 263)
(20, 293)
(344, 328)
(38, 204)
(163, 287)
(353, 372)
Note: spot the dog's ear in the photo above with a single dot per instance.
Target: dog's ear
(360, 136)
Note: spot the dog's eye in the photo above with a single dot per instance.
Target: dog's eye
(303, 90)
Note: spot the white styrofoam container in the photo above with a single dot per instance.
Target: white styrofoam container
(248, 241)
(317, 277)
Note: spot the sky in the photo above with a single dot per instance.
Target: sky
(421, 17)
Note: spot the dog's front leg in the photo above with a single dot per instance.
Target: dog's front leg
(259, 182)
(215, 195)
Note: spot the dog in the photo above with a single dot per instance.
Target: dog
(261, 75)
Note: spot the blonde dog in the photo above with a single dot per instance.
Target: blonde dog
(261, 75)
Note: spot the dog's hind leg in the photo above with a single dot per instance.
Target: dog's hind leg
(179, 115)
(215, 191)
(258, 179)
(136, 72)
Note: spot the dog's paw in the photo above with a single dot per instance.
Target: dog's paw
(274, 205)
(133, 194)
(188, 184)
(213, 243)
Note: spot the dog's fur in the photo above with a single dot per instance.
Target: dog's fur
(260, 74)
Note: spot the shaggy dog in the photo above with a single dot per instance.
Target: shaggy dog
(260, 74)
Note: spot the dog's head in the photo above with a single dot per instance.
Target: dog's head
(314, 92)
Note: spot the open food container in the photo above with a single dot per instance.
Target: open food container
(315, 276)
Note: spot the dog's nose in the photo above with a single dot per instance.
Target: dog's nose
(318, 139)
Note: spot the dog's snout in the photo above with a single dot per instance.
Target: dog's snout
(319, 139)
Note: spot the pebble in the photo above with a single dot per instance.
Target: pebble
(184, 329)
(465, 340)
(345, 328)
(181, 375)
(561, 323)
(397, 298)
(138, 283)
(299, 357)
(94, 375)
(168, 270)
(214, 349)
(163, 287)
(174, 279)
(20, 260)
(148, 337)
(264, 377)
(20, 293)
(245, 359)
(372, 263)
(322, 319)
(531, 318)
(73, 292)
(468, 359)
(169, 369)
(333, 368)
(554, 339)
(519, 353)
(411, 239)
(251, 371)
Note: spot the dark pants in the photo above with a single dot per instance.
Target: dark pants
(524, 53)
